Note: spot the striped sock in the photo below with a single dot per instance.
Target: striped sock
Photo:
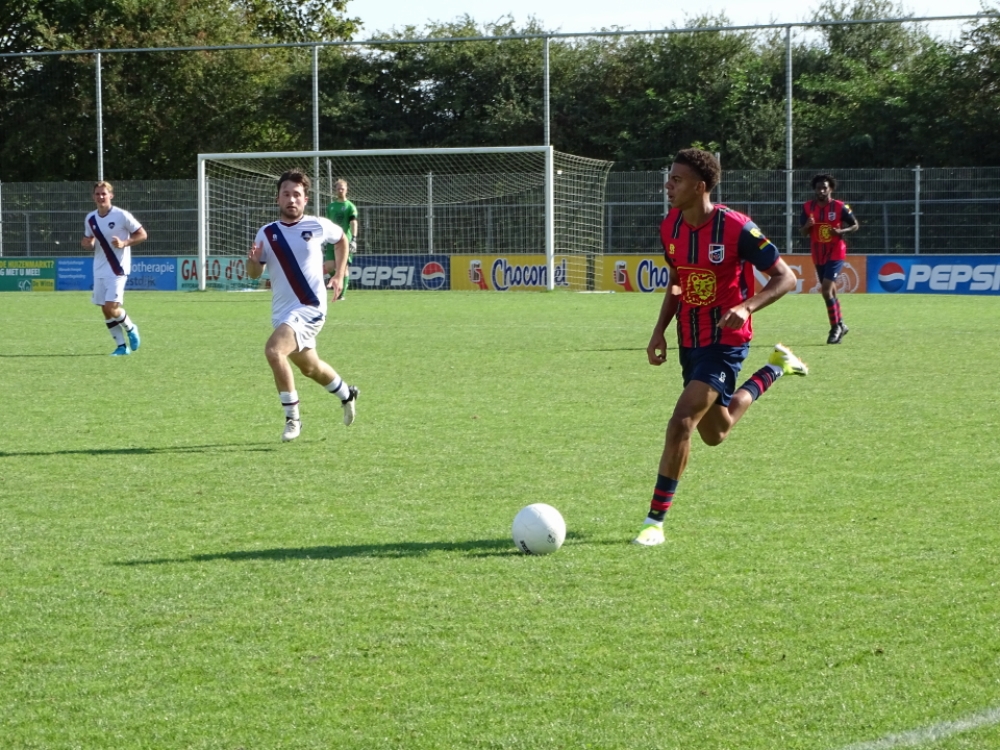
(338, 388)
(290, 403)
(663, 497)
(761, 380)
(115, 329)
(833, 311)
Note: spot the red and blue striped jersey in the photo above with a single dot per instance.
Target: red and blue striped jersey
(823, 243)
(714, 265)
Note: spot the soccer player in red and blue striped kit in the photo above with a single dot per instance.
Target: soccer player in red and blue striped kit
(711, 251)
(825, 221)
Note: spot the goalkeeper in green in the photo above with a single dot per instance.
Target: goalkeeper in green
(344, 214)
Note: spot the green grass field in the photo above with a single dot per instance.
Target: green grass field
(173, 576)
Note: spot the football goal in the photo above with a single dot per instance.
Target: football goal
(488, 218)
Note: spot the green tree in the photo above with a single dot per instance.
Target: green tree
(298, 20)
(853, 89)
(478, 93)
(979, 69)
(872, 94)
(159, 109)
(641, 99)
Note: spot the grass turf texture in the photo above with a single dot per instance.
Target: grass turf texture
(173, 576)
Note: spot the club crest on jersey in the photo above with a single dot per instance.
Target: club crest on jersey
(672, 249)
(699, 288)
(716, 253)
(831, 216)
(111, 225)
(307, 235)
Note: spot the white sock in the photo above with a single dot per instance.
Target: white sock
(338, 388)
(290, 402)
(652, 521)
(115, 329)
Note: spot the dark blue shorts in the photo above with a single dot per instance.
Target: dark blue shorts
(829, 270)
(717, 365)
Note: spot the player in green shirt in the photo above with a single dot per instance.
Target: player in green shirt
(344, 214)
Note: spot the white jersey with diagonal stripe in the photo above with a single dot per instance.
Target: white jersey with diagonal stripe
(293, 254)
(117, 223)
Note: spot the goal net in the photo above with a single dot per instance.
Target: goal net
(460, 218)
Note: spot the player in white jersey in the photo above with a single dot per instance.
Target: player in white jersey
(110, 232)
(293, 249)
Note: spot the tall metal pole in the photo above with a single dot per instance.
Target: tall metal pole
(788, 139)
(329, 177)
(550, 215)
(545, 65)
(100, 123)
(202, 224)
(317, 185)
(916, 210)
(430, 213)
(666, 198)
(718, 188)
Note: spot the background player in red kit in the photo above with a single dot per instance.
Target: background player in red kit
(711, 251)
(825, 221)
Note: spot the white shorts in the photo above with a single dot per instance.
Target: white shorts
(306, 322)
(109, 289)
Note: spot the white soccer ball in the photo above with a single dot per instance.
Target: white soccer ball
(538, 529)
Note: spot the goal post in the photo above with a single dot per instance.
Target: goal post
(513, 217)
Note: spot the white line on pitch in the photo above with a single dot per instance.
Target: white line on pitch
(927, 735)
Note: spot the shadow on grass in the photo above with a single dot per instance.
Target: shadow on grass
(224, 448)
(477, 548)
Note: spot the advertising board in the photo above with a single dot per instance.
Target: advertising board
(418, 272)
(934, 274)
(649, 273)
(27, 275)
(504, 273)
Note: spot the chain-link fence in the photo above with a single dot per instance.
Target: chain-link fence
(929, 211)
(948, 211)
(45, 219)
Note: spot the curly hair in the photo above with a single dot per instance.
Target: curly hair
(702, 162)
(822, 177)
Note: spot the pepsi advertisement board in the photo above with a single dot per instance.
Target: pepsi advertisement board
(934, 274)
(420, 272)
